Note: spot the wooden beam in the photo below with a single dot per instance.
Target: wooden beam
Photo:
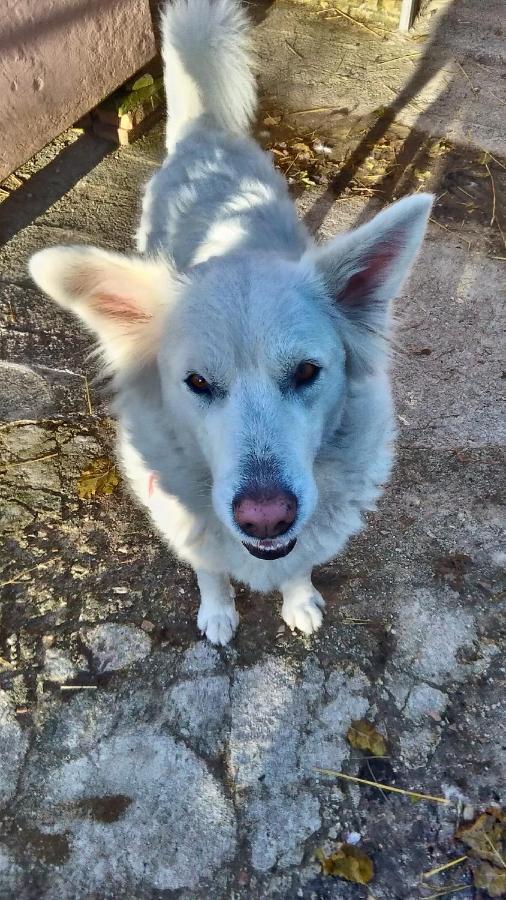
(408, 10)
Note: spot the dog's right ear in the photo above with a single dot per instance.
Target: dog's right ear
(121, 299)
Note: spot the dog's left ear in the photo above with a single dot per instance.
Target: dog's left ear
(364, 270)
(121, 299)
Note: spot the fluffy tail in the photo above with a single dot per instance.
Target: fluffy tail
(208, 65)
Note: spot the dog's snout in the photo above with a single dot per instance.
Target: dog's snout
(265, 513)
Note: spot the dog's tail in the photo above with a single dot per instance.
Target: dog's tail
(208, 65)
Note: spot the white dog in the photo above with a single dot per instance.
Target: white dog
(250, 365)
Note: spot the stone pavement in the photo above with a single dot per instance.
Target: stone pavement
(178, 769)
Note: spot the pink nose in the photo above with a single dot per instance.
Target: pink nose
(265, 514)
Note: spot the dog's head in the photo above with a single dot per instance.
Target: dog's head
(252, 355)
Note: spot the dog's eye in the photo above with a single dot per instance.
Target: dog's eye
(305, 373)
(198, 384)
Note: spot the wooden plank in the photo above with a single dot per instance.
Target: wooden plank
(408, 10)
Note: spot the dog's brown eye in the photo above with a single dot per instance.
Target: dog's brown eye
(305, 373)
(198, 383)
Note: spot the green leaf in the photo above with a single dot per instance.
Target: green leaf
(142, 82)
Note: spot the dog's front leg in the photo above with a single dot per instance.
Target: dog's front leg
(217, 617)
(302, 604)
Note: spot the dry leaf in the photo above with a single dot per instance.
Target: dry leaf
(491, 879)
(301, 147)
(483, 158)
(347, 862)
(6, 664)
(364, 736)
(453, 567)
(98, 478)
(272, 120)
(486, 835)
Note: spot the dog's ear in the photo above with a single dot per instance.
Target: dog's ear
(121, 299)
(364, 270)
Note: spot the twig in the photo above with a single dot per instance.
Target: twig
(440, 224)
(499, 163)
(499, 99)
(501, 232)
(20, 575)
(17, 578)
(452, 889)
(313, 109)
(78, 687)
(438, 869)
(21, 462)
(296, 52)
(383, 62)
(17, 423)
(383, 787)
(465, 192)
(493, 219)
(372, 776)
(494, 849)
(346, 621)
(356, 22)
(294, 160)
(391, 89)
(461, 67)
(87, 395)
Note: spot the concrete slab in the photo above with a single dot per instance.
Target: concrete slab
(139, 761)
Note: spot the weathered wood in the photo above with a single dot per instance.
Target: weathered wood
(408, 10)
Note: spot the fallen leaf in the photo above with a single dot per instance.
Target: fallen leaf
(453, 567)
(98, 478)
(6, 664)
(303, 178)
(486, 836)
(301, 147)
(462, 456)
(491, 879)
(364, 736)
(347, 862)
(272, 120)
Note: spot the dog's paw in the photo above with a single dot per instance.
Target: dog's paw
(306, 614)
(219, 626)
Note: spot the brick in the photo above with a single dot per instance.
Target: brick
(124, 136)
(128, 120)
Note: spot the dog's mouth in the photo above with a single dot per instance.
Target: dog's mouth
(270, 549)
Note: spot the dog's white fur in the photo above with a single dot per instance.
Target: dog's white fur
(227, 283)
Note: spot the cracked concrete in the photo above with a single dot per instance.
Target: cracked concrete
(139, 761)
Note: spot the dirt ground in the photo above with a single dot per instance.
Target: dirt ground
(136, 759)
